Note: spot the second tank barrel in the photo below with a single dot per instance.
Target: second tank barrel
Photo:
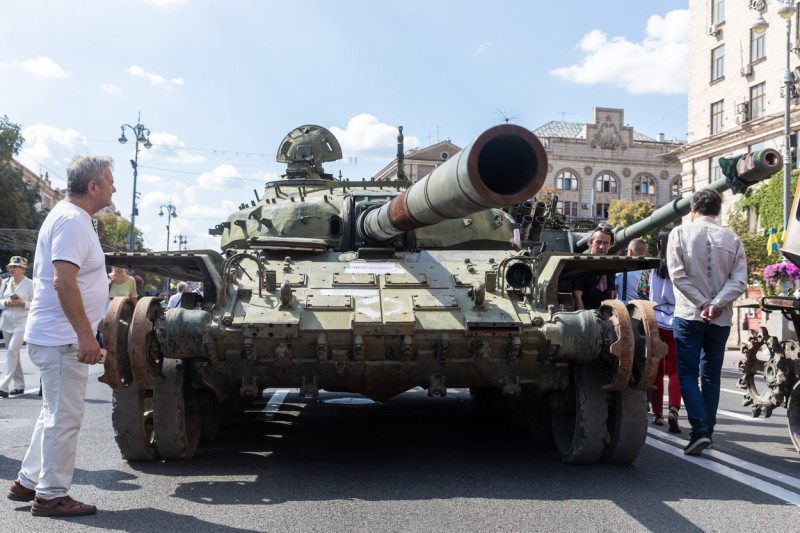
(505, 165)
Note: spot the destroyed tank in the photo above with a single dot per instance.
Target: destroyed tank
(378, 287)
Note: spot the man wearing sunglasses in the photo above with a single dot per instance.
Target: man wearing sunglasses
(589, 292)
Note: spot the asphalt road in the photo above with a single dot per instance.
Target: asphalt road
(338, 463)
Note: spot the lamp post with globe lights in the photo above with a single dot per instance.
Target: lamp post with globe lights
(142, 135)
(786, 11)
(171, 213)
(180, 240)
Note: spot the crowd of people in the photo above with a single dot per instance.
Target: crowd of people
(58, 312)
(703, 270)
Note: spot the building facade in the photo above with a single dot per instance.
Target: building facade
(418, 163)
(736, 85)
(591, 165)
(49, 196)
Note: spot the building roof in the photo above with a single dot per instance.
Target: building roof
(572, 130)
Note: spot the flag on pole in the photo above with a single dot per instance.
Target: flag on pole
(772, 241)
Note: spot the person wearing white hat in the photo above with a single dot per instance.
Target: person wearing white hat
(16, 294)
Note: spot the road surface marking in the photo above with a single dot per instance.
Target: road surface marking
(766, 487)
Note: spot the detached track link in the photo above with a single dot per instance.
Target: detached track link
(177, 424)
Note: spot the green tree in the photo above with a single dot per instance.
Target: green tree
(18, 199)
(114, 231)
(767, 201)
(625, 213)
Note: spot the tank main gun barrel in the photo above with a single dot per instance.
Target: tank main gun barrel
(740, 173)
(505, 165)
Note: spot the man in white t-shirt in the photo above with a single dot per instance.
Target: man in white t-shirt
(70, 291)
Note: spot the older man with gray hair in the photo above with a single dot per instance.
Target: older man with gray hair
(70, 290)
(175, 299)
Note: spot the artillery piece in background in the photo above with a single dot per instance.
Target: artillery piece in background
(382, 286)
(776, 360)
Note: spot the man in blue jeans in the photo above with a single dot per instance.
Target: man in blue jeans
(709, 271)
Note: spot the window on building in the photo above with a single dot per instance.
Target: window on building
(717, 11)
(675, 188)
(718, 63)
(601, 210)
(751, 218)
(606, 183)
(758, 45)
(758, 101)
(714, 170)
(567, 181)
(645, 186)
(569, 209)
(716, 117)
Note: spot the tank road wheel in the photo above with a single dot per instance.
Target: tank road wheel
(578, 416)
(177, 419)
(627, 426)
(143, 346)
(132, 418)
(114, 328)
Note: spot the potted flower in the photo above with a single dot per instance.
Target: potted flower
(781, 275)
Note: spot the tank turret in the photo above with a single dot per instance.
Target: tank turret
(377, 287)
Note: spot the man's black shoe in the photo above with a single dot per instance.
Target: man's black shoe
(697, 443)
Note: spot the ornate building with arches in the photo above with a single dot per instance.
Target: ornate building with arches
(592, 164)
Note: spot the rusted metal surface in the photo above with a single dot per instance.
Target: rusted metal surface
(143, 349)
(643, 314)
(622, 348)
(117, 367)
(505, 165)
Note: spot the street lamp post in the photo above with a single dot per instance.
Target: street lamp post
(180, 240)
(142, 135)
(787, 12)
(171, 213)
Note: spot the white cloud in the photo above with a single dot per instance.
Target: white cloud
(150, 179)
(173, 149)
(221, 211)
(484, 47)
(50, 146)
(155, 79)
(658, 64)
(366, 136)
(44, 67)
(221, 178)
(157, 198)
(110, 88)
(41, 67)
(167, 4)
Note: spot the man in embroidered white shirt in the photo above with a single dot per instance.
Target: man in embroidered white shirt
(708, 269)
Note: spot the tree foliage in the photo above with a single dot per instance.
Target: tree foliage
(625, 213)
(767, 201)
(17, 199)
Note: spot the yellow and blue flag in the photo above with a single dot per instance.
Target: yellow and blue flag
(772, 242)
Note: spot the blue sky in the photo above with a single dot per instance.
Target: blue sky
(219, 83)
